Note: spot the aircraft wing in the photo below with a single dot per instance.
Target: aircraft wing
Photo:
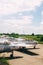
(20, 44)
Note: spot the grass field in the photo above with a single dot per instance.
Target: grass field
(3, 61)
(38, 38)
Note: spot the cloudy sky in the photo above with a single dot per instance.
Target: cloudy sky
(21, 16)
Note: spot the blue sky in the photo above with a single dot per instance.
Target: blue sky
(21, 16)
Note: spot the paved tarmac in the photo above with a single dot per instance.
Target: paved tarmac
(27, 56)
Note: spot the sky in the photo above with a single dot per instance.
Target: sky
(21, 16)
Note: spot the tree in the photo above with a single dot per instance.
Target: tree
(41, 38)
(32, 34)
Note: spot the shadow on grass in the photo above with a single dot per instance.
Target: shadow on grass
(27, 52)
(10, 58)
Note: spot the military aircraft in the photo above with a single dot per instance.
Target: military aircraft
(10, 44)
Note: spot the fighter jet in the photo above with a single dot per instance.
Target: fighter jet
(10, 44)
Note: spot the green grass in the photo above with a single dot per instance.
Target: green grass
(35, 37)
(3, 61)
(40, 42)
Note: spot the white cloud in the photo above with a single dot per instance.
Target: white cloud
(22, 28)
(42, 14)
(41, 23)
(25, 20)
(42, 18)
(13, 25)
(23, 25)
(12, 6)
(39, 29)
(30, 5)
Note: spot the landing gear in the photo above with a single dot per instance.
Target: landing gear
(11, 54)
(23, 47)
(34, 47)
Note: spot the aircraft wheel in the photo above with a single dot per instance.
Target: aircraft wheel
(11, 55)
(34, 47)
(23, 47)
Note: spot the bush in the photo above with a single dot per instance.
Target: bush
(41, 38)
